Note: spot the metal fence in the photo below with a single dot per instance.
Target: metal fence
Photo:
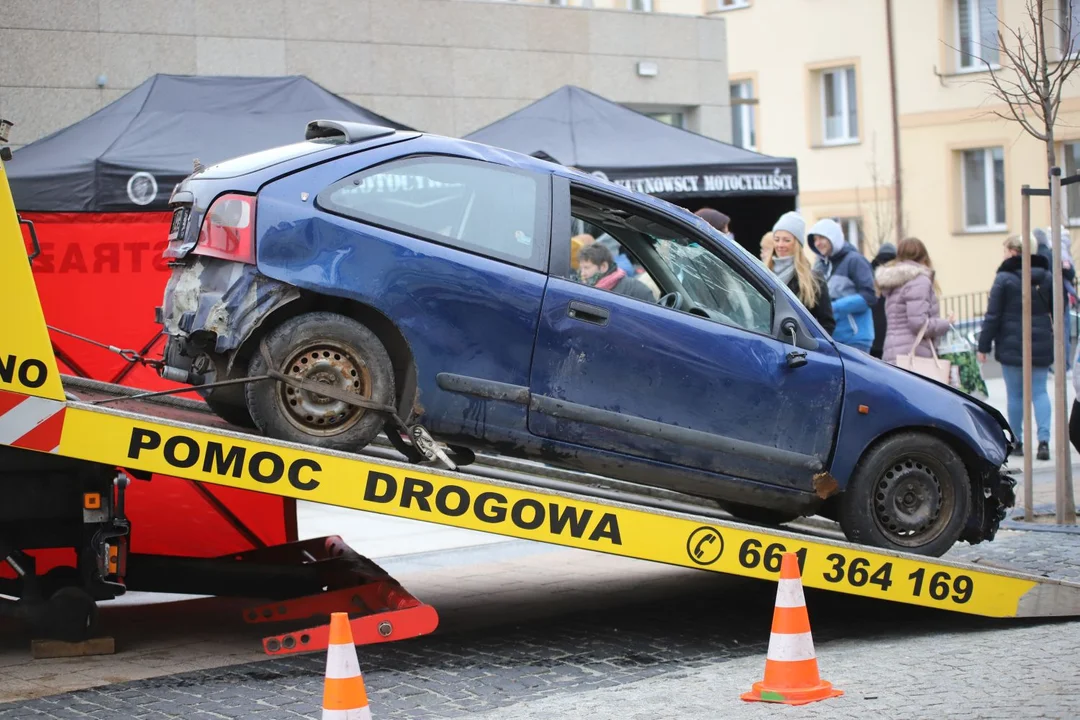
(971, 308)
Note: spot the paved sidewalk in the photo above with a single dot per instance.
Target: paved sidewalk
(526, 634)
(1001, 673)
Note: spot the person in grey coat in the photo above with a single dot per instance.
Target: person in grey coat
(911, 302)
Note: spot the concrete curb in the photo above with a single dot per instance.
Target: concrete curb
(1016, 522)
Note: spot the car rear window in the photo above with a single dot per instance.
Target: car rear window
(264, 158)
(481, 207)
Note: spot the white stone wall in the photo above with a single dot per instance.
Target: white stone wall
(446, 66)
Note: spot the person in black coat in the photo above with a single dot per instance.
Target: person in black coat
(886, 253)
(1003, 330)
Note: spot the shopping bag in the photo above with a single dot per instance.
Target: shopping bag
(932, 367)
(958, 349)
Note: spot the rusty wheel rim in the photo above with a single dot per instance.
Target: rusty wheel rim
(329, 363)
(911, 504)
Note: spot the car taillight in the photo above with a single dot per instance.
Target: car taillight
(228, 230)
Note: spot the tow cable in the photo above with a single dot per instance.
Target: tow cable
(419, 447)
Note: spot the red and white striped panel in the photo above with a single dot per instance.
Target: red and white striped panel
(30, 422)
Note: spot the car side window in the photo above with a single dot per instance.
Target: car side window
(712, 284)
(681, 272)
(481, 207)
(599, 260)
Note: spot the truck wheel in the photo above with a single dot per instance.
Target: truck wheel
(909, 493)
(761, 515)
(70, 614)
(326, 348)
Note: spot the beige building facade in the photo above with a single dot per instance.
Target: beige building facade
(445, 66)
(810, 79)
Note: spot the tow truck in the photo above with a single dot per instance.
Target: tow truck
(69, 449)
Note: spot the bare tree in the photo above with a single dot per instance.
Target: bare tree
(1030, 82)
(882, 209)
(1034, 72)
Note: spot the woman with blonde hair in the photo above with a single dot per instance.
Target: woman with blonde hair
(910, 289)
(768, 245)
(789, 263)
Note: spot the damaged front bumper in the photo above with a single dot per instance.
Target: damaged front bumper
(988, 510)
(211, 307)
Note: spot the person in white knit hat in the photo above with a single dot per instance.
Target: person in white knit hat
(789, 263)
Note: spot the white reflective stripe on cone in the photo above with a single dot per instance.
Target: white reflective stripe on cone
(787, 648)
(789, 593)
(341, 662)
(363, 713)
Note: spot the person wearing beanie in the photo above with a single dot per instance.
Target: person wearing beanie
(886, 253)
(851, 284)
(789, 263)
(718, 220)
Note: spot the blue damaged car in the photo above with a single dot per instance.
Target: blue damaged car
(447, 279)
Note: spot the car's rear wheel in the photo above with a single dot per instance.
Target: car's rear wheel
(909, 493)
(326, 348)
(228, 402)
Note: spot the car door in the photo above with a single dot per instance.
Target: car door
(708, 386)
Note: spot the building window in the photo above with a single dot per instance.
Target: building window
(840, 120)
(641, 5)
(743, 110)
(984, 189)
(1069, 22)
(977, 33)
(675, 119)
(853, 231)
(721, 5)
(1072, 192)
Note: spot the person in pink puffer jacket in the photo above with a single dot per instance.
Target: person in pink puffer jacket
(911, 301)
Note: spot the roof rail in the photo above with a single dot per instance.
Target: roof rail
(350, 132)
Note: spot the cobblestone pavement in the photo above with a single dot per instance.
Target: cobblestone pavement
(683, 655)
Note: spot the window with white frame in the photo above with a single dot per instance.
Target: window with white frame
(1069, 23)
(983, 172)
(640, 5)
(839, 106)
(976, 33)
(1072, 192)
(853, 231)
(743, 110)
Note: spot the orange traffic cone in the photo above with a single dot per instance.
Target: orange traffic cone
(791, 669)
(344, 695)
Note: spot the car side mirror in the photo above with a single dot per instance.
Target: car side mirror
(787, 326)
(796, 358)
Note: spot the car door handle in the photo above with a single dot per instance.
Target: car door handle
(588, 313)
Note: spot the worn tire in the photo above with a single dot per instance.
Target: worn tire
(764, 516)
(70, 614)
(228, 402)
(323, 347)
(909, 493)
(230, 412)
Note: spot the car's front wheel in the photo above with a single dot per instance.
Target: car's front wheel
(325, 348)
(909, 493)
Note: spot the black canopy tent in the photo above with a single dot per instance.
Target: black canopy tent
(130, 154)
(581, 129)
